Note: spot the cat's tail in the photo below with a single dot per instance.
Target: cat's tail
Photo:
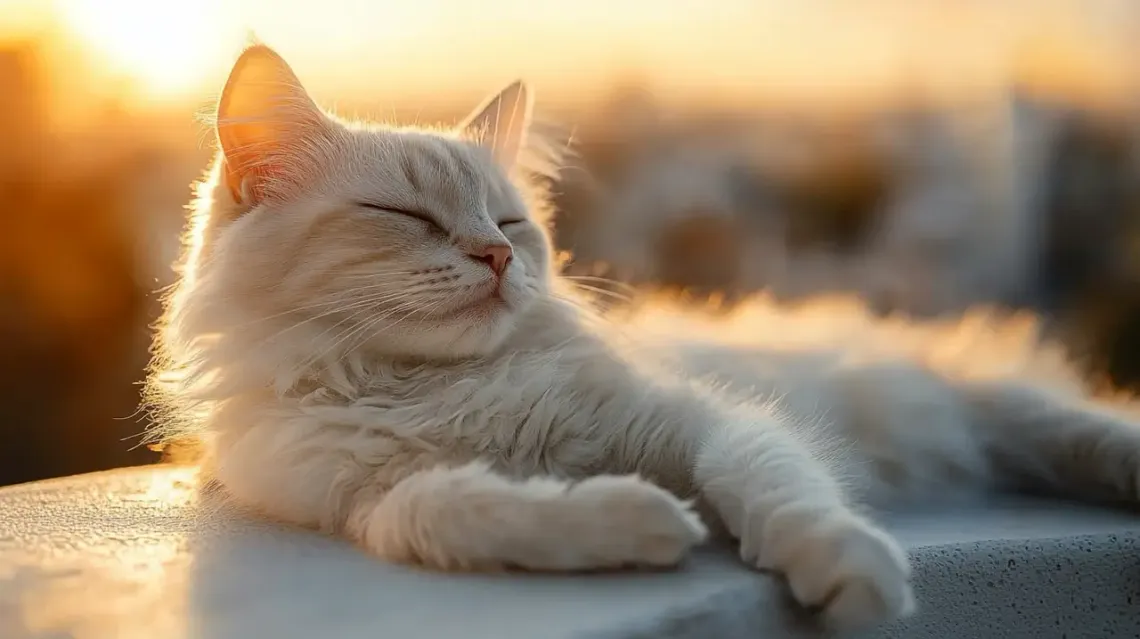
(471, 518)
(1046, 441)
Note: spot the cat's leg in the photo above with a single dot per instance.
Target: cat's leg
(402, 507)
(921, 432)
(1043, 440)
(789, 510)
(470, 517)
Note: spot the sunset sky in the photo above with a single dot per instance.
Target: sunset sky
(809, 49)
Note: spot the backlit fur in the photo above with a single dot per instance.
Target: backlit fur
(323, 354)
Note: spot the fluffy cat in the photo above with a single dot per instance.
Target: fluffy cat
(369, 338)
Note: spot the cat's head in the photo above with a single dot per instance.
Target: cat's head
(356, 236)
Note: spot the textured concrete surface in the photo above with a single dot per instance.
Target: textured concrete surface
(134, 554)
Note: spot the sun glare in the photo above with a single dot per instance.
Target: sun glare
(168, 45)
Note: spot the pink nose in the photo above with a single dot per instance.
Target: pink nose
(497, 256)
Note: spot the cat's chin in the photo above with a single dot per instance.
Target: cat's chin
(482, 328)
(473, 330)
(482, 307)
(488, 307)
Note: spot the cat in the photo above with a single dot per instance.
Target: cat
(368, 337)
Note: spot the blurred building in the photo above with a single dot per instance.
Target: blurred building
(1013, 201)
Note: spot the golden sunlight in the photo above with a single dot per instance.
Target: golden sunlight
(171, 47)
(810, 53)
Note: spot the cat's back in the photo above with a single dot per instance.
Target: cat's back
(773, 348)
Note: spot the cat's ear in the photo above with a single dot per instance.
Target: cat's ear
(266, 124)
(501, 123)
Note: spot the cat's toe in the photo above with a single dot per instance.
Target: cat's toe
(645, 524)
(851, 571)
(871, 583)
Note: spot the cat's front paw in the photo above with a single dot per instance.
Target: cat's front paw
(636, 522)
(838, 563)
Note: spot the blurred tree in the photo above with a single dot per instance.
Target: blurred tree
(73, 336)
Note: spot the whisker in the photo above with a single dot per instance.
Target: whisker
(366, 304)
(602, 280)
(351, 330)
(320, 356)
(360, 328)
(427, 312)
(349, 318)
(296, 309)
(372, 273)
(603, 292)
(344, 305)
(365, 336)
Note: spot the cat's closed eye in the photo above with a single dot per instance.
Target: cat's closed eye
(508, 224)
(419, 215)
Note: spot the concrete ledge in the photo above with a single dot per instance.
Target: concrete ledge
(127, 554)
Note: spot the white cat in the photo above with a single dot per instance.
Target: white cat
(369, 338)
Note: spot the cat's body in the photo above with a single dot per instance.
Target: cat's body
(369, 339)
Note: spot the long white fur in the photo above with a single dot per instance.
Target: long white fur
(320, 354)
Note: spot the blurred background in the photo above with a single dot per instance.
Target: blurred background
(925, 155)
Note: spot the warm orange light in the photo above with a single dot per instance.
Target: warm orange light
(171, 46)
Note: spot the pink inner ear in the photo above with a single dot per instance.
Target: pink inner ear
(249, 166)
(261, 159)
(233, 181)
(253, 180)
(264, 118)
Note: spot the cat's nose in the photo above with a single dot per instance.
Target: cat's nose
(497, 256)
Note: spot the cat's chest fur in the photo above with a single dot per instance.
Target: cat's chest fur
(516, 410)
